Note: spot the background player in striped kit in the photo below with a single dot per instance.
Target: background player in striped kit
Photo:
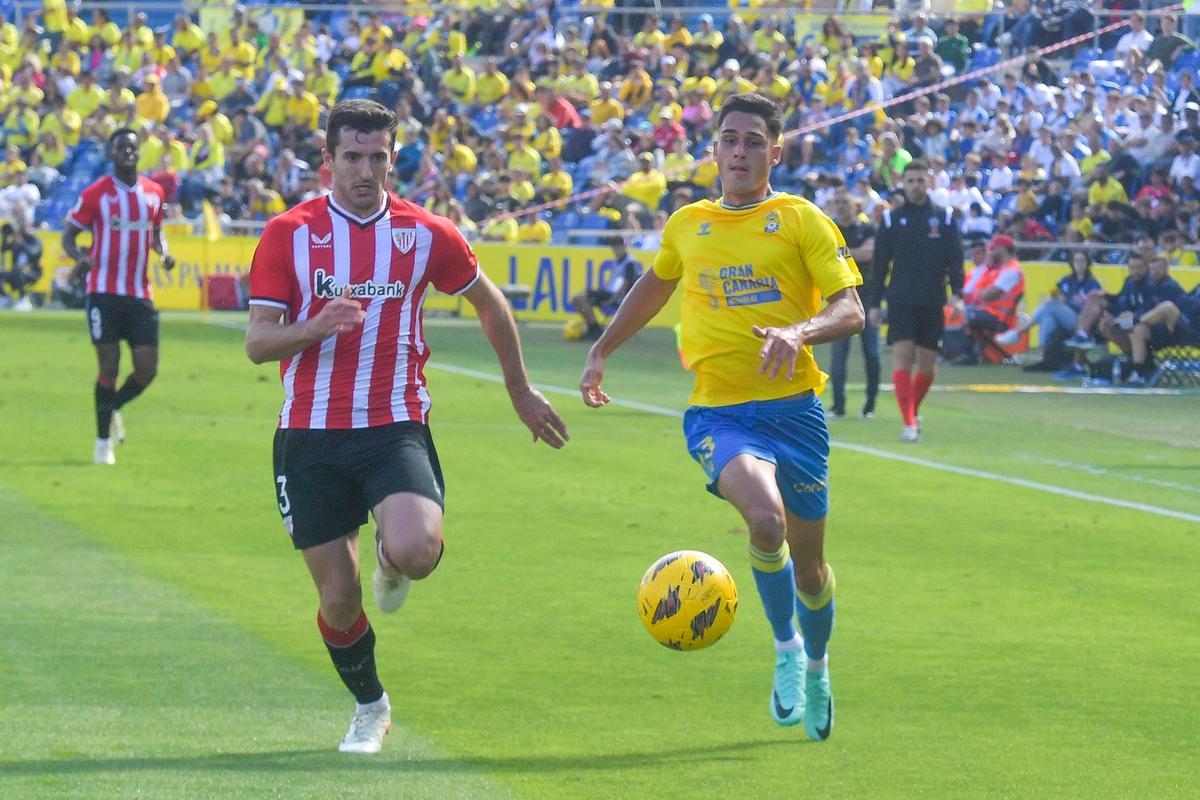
(337, 287)
(124, 213)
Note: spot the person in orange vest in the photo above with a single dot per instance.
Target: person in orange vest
(991, 294)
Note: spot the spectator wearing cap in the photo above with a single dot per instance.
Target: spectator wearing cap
(272, 106)
(606, 108)
(730, 82)
(707, 41)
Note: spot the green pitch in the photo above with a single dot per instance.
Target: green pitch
(993, 640)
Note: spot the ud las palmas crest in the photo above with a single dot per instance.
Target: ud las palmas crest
(404, 239)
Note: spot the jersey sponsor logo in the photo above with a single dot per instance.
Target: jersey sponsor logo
(132, 226)
(322, 241)
(742, 287)
(843, 253)
(404, 239)
(772, 223)
(325, 286)
(705, 229)
(935, 228)
(704, 454)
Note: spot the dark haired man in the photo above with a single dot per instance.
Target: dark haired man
(754, 266)
(124, 213)
(919, 245)
(337, 287)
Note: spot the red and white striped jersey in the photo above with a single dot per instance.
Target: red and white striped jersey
(122, 220)
(372, 375)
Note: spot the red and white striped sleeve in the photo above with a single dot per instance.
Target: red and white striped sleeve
(453, 268)
(272, 277)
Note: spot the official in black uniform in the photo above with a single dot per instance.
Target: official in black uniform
(919, 245)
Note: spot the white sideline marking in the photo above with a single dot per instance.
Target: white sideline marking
(870, 451)
(858, 448)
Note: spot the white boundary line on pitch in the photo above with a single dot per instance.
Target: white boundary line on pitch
(870, 451)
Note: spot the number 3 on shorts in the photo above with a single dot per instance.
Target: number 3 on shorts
(94, 321)
(285, 505)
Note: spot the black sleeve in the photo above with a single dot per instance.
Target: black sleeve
(876, 278)
(954, 257)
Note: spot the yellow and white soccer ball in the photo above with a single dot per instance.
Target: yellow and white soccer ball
(574, 330)
(687, 600)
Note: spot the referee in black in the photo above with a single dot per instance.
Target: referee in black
(919, 246)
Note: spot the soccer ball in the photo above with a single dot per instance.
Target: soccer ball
(687, 600)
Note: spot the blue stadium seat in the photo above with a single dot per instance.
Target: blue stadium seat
(983, 58)
(357, 93)
(1187, 62)
(1084, 57)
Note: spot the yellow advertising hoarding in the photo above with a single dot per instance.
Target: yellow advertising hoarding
(553, 274)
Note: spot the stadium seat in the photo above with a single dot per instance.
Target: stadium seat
(357, 93)
(1187, 62)
(1085, 57)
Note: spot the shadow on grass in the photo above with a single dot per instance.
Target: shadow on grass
(321, 760)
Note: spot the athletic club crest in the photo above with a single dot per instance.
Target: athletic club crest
(404, 239)
(772, 224)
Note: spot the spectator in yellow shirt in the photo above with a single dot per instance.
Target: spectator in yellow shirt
(272, 107)
(128, 53)
(677, 34)
(460, 81)
(555, 184)
(243, 54)
(212, 56)
(85, 98)
(152, 104)
(222, 127)
(523, 157)
(605, 107)
(143, 34)
(730, 83)
(76, 30)
(265, 202)
(62, 122)
(1105, 188)
(534, 229)
(104, 27)
(222, 83)
(491, 85)
(66, 60)
(647, 186)
(520, 188)
(637, 88)
(303, 110)
(650, 35)
(502, 228)
(581, 86)
(324, 83)
(163, 52)
(22, 124)
(771, 83)
(458, 159)
(548, 140)
(186, 37)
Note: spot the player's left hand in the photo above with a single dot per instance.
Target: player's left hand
(540, 417)
(780, 348)
(168, 263)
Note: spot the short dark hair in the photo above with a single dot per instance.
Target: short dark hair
(918, 165)
(359, 115)
(119, 132)
(757, 104)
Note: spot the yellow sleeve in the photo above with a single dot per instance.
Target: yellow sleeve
(825, 254)
(667, 264)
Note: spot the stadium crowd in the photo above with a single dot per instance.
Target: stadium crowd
(508, 105)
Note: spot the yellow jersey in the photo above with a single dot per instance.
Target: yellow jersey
(766, 264)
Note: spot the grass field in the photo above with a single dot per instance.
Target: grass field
(994, 639)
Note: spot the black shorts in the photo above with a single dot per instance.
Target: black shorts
(113, 317)
(920, 324)
(327, 481)
(599, 297)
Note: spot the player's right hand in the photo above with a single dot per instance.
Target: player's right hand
(589, 384)
(340, 315)
(874, 317)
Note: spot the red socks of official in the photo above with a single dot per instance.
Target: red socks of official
(920, 383)
(902, 380)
